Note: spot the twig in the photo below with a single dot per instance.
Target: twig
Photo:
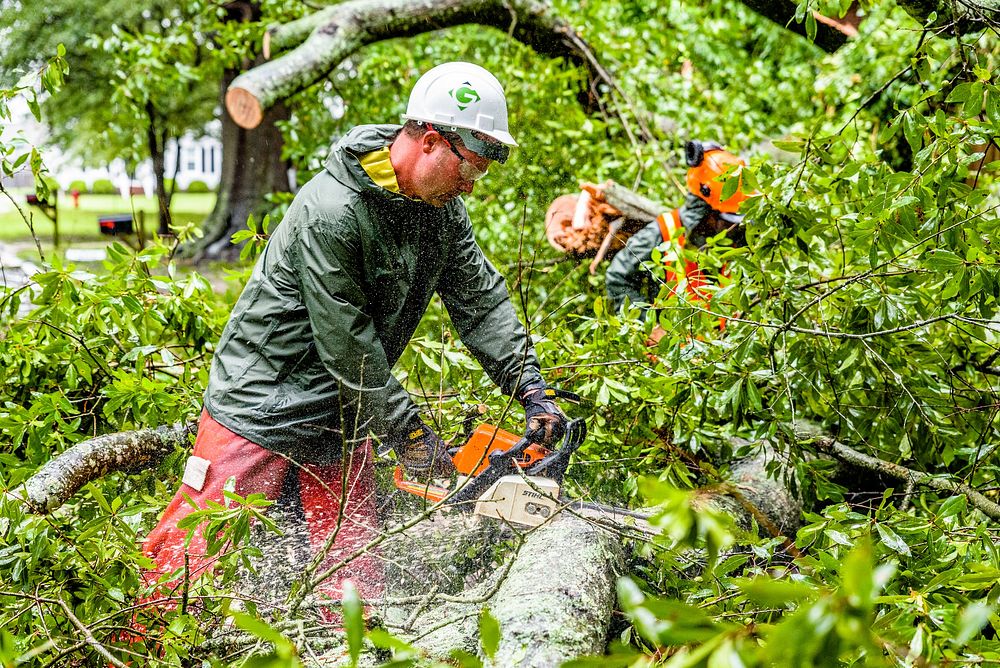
(849, 455)
(88, 636)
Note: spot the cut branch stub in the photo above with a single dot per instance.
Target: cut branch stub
(60, 478)
(339, 31)
(244, 107)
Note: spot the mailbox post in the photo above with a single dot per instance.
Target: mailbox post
(49, 208)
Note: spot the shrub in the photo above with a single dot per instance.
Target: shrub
(198, 187)
(78, 185)
(104, 187)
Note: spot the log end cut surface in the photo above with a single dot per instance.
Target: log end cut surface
(244, 108)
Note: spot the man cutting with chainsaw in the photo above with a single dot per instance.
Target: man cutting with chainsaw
(302, 374)
(704, 214)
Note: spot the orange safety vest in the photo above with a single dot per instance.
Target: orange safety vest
(675, 271)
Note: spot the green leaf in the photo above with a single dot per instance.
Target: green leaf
(959, 93)
(892, 540)
(489, 633)
(616, 660)
(954, 505)
(771, 592)
(729, 186)
(8, 649)
(974, 104)
(385, 640)
(913, 131)
(259, 628)
(978, 578)
(354, 621)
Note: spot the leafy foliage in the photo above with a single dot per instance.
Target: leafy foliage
(865, 302)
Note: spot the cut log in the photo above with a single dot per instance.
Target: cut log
(614, 213)
(61, 477)
(339, 31)
(554, 600)
(559, 598)
(630, 203)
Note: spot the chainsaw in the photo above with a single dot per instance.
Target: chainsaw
(505, 476)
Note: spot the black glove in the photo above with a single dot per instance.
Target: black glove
(422, 453)
(544, 422)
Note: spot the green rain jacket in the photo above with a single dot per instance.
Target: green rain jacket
(303, 365)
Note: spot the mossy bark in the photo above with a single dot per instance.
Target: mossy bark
(60, 478)
(759, 489)
(555, 600)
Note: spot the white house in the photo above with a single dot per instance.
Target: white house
(201, 159)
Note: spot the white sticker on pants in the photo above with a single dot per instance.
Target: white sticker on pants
(195, 472)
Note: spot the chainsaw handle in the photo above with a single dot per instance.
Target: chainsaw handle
(502, 462)
(554, 466)
(566, 395)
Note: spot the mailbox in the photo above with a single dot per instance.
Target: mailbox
(116, 224)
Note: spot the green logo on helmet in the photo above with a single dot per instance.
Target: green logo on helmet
(464, 95)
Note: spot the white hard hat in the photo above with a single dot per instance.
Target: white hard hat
(462, 97)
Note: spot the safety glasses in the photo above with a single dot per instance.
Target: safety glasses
(466, 169)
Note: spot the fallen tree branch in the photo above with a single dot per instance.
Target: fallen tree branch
(340, 30)
(829, 445)
(959, 17)
(62, 476)
(88, 635)
(828, 37)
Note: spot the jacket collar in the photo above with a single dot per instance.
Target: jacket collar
(344, 161)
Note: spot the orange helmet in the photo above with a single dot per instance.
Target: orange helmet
(707, 161)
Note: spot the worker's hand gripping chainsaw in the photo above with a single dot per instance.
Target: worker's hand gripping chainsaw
(504, 476)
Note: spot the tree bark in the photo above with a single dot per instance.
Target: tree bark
(958, 18)
(339, 31)
(825, 443)
(782, 12)
(252, 167)
(543, 619)
(61, 477)
(751, 495)
(156, 139)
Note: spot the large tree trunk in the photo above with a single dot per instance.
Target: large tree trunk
(251, 168)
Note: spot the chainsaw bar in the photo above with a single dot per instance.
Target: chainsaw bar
(620, 518)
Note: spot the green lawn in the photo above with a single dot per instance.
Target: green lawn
(80, 224)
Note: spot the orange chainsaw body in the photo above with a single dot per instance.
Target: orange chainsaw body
(473, 457)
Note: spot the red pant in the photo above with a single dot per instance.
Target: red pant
(259, 470)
